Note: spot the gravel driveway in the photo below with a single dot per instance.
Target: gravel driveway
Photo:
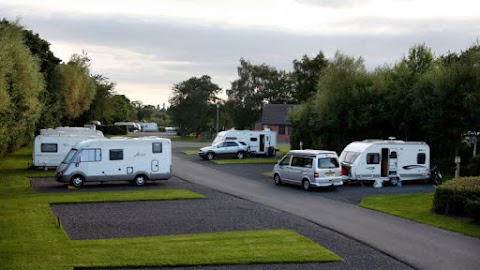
(218, 213)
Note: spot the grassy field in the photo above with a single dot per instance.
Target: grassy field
(417, 207)
(31, 238)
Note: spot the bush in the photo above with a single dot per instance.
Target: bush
(113, 130)
(453, 196)
(472, 208)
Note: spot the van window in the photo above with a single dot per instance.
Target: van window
(157, 147)
(297, 162)
(373, 158)
(326, 163)
(350, 157)
(116, 154)
(285, 160)
(89, 155)
(49, 147)
(421, 158)
(307, 162)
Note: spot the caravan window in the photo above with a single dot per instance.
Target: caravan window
(116, 154)
(157, 147)
(89, 155)
(421, 158)
(373, 158)
(350, 157)
(49, 147)
(253, 139)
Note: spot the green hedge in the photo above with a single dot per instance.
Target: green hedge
(113, 130)
(459, 196)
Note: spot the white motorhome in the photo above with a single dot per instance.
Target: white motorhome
(149, 127)
(127, 159)
(386, 161)
(52, 145)
(260, 142)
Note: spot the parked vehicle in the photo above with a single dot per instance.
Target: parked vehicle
(308, 168)
(129, 159)
(234, 149)
(131, 126)
(52, 145)
(386, 161)
(149, 127)
(261, 142)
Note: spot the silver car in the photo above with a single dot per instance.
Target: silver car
(308, 168)
(235, 149)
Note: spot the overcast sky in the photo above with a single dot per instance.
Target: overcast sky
(148, 46)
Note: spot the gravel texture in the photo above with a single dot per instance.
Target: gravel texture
(218, 213)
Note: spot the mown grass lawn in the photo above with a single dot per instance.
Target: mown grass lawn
(418, 207)
(31, 238)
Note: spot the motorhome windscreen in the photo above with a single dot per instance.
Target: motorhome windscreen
(69, 156)
(327, 163)
(350, 157)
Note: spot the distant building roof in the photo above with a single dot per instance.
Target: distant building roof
(276, 114)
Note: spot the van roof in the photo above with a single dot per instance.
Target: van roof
(311, 152)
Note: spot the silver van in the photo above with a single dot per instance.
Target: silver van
(309, 168)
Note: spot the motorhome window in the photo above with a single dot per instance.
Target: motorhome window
(116, 154)
(157, 147)
(230, 138)
(393, 154)
(350, 157)
(373, 158)
(253, 139)
(307, 162)
(49, 147)
(297, 162)
(281, 129)
(69, 156)
(326, 163)
(421, 158)
(90, 155)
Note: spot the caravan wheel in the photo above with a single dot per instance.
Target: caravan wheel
(140, 180)
(394, 181)
(77, 181)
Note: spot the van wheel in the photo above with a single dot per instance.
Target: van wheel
(210, 156)
(140, 180)
(277, 180)
(240, 155)
(77, 181)
(306, 185)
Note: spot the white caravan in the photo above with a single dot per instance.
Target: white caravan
(149, 127)
(260, 142)
(386, 161)
(51, 146)
(127, 159)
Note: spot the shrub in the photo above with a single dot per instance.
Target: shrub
(453, 196)
(472, 208)
(113, 130)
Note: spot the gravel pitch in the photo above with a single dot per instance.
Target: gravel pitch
(219, 213)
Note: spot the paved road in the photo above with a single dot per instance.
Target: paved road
(421, 246)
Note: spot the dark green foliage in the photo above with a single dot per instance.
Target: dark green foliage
(453, 196)
(472, 208)
(113, 130)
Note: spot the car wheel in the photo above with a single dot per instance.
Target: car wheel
(240, 155)
(140, 180)
(210, 156)
(306, 185)
(77, 181)
(277, 180)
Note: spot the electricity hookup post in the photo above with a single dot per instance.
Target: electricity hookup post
(458, 160)
(216, 125)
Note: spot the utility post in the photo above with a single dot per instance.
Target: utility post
(218, 115)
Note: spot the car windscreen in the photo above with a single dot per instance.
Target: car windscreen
(350, 157)
(327, 163)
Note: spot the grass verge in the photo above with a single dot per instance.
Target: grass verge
(418, 207)
(31, 238)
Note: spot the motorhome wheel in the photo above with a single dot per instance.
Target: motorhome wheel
(77, 181)
(140, 180)
(306, 185)
(277, 180)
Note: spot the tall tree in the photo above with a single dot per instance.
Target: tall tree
(306, 73)
(20, 85)
(191, 103)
